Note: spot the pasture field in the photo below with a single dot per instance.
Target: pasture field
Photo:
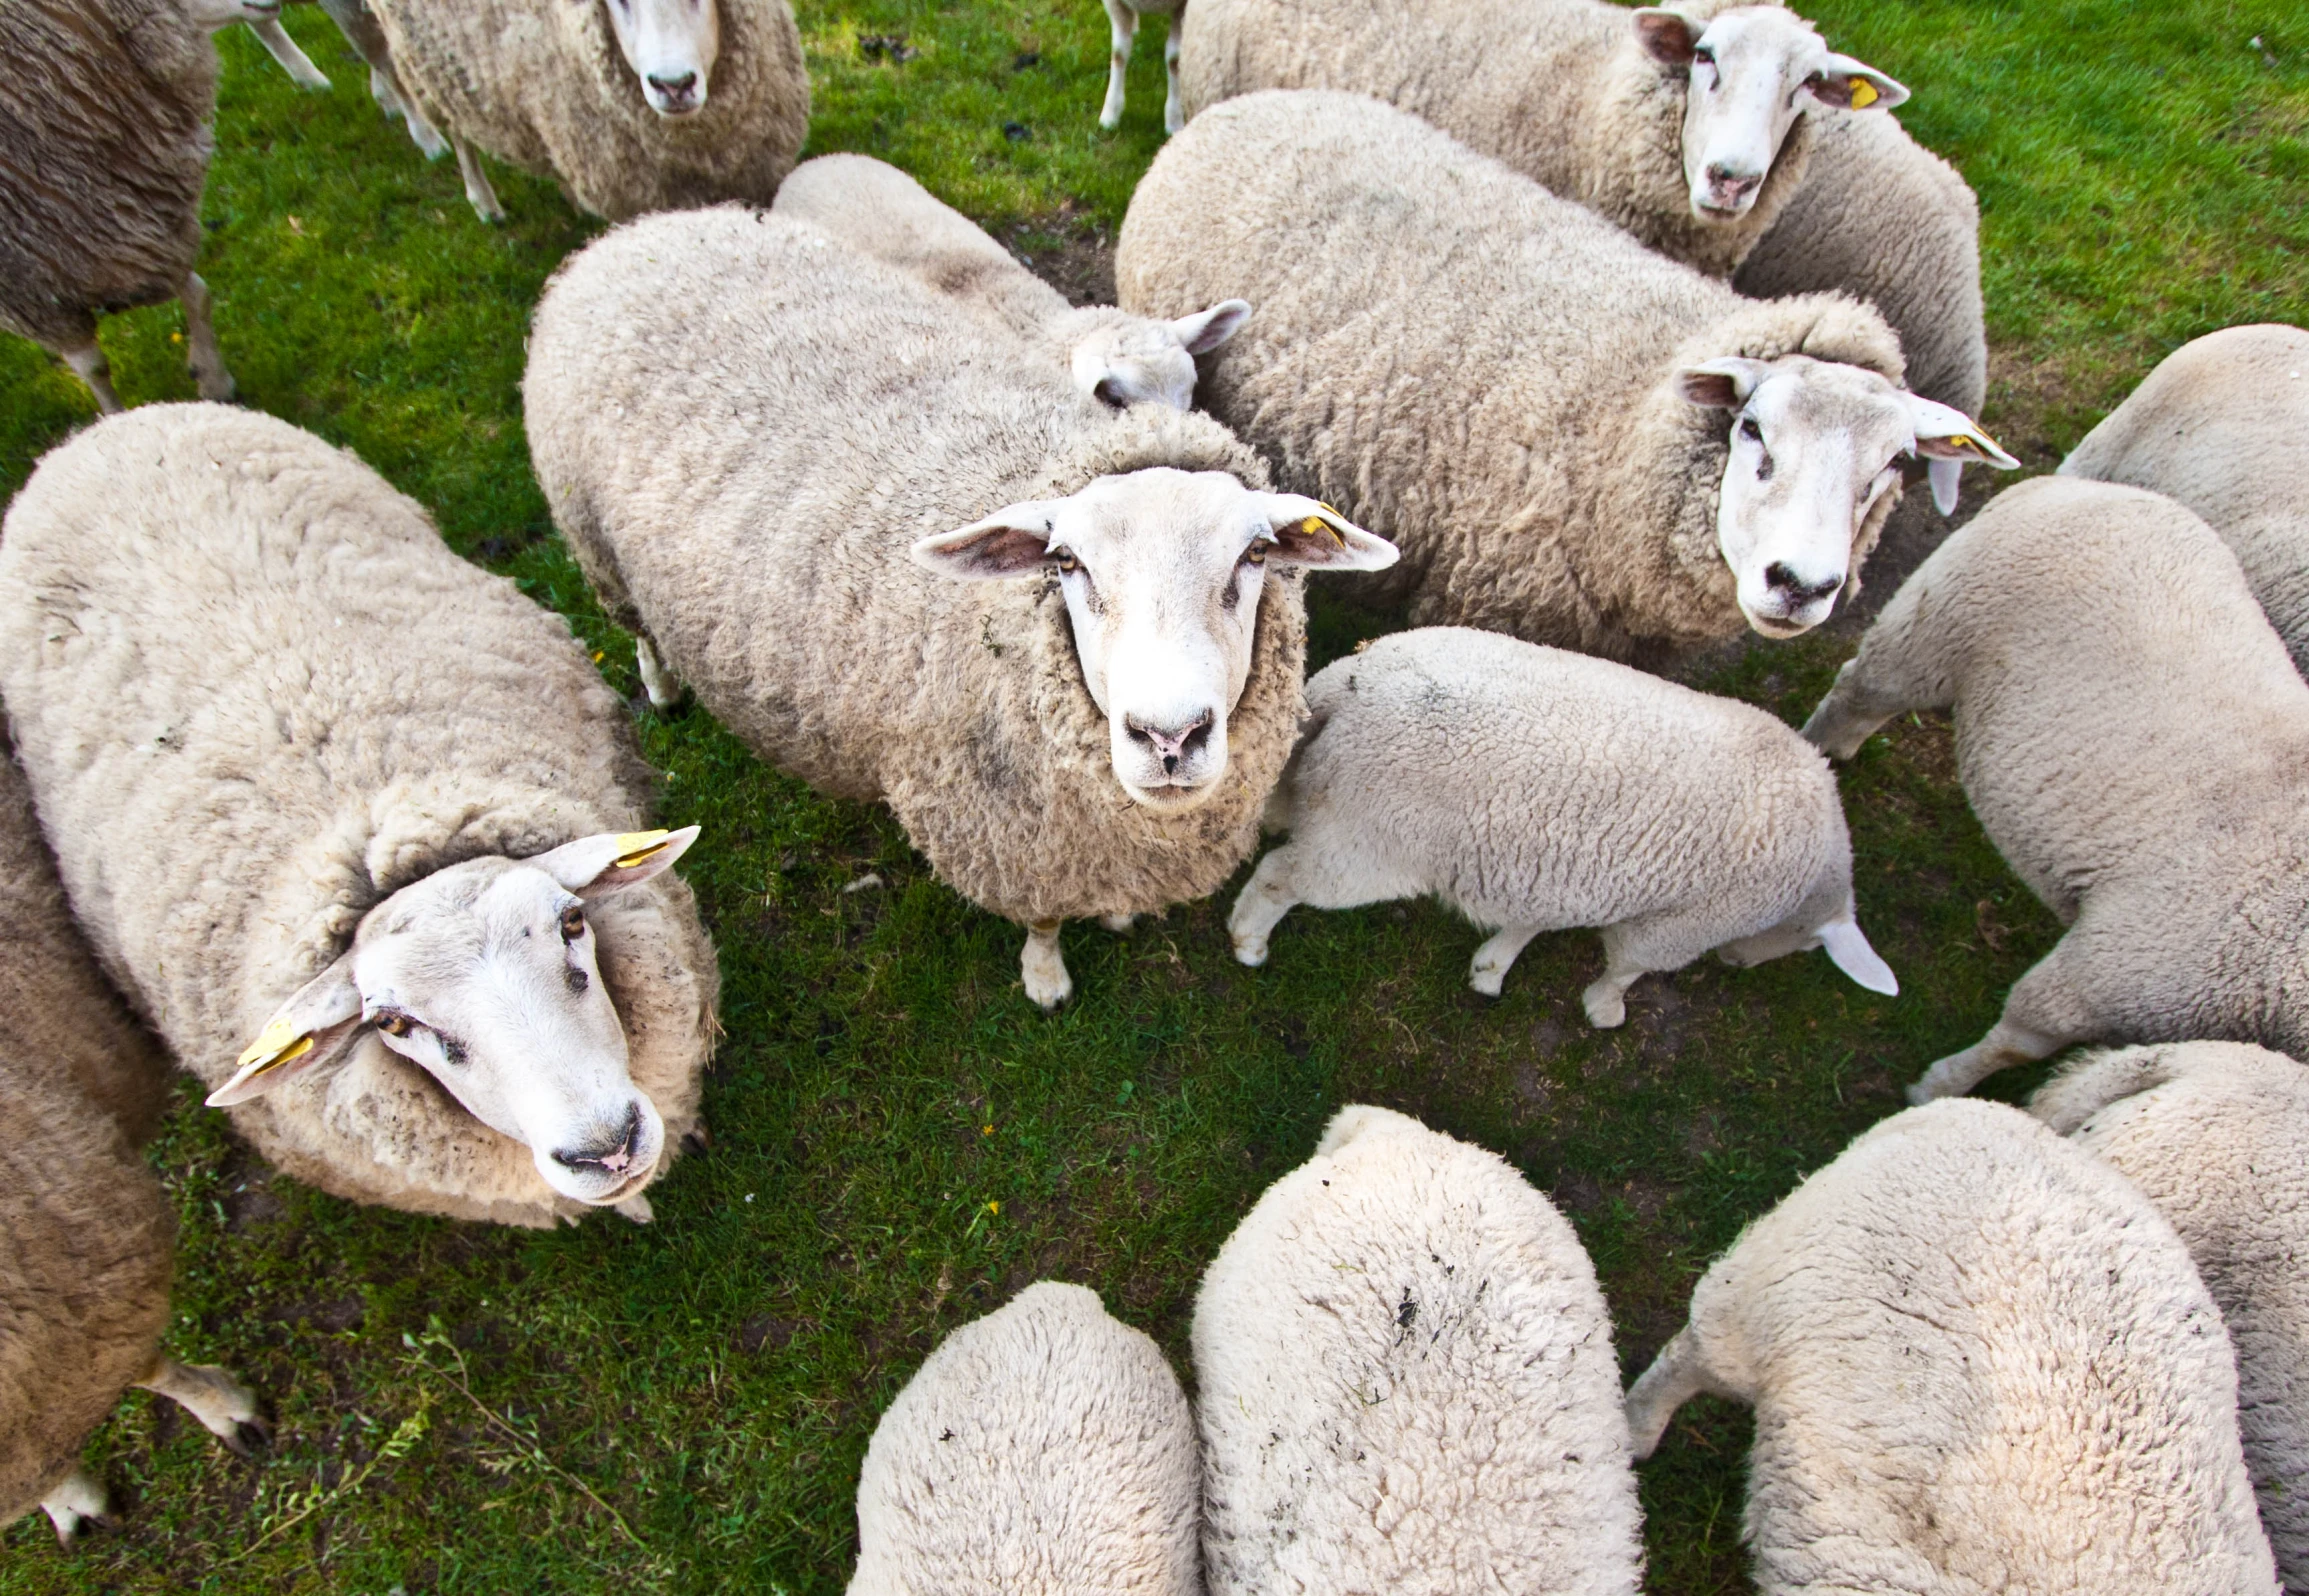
(900, 1140)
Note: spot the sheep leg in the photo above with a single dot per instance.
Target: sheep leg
(1675, 1377)
(206, 360)
(1042, 966)
(1264, 900)
(1494, 958)
(663, 687)
(1123, 25)
(1606, 996)
(73, 1501)
(395, 101)
(477, 189)
(210, 1395)
(2042, 1014)
(298, 65)
(1119, 924)
(89, 365)
(1173, 117)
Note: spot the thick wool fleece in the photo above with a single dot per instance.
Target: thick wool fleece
(2223, 426)
(1044, 1450)
(543, 85)
(256, 695)
(754, 519)
(1406, 1383)
(1560, 90)
(1485, 372)
(2216, 1134)
(104, 115)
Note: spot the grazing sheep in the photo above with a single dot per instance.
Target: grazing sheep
(1534, 790)
(1122, 19)
(2133, 738)
(1689, 125)
(1113, 357)
(1063, 643)
(1044, 1450)
(366, 35)
(633, 105)
(1406, 1383)
(2223, 426)
(1531, 404)
(383, 818)
(2216, 1134)
(1979, 1362)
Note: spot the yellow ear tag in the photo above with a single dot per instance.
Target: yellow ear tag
(1958, 440)
(636, 846)
(282, 1053)
(1863, 94)
(1315, 523)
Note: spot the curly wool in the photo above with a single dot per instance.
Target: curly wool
(362, 708)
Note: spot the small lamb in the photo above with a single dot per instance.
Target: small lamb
(2216, 1134)
(1534, 790)
(385, 818)
(1112, 356)
(1044, 1450)
(1406, 1383)
(1122, 19)
(2132, 734)
(1980, 1361)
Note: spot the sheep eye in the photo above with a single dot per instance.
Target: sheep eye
(1256, 554)
(1750, 431)
(572, 923)
(1704, 56)
(393, 1024)
(1067, 562)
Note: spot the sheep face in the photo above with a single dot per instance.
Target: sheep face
(671, 46)
(217, 15)
(1749, 74)
(1162, 572)
(485, 975)
(1153, 362)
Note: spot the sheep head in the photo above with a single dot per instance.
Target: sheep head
(1130, 361)
(671, 46)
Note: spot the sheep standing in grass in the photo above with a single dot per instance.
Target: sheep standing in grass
(1044, 1450)
(1063, 643)
(1980, 1361)
(314, 780)
(2216, 1134)
(1406, 1383)
(1112, 356)
(1534, 790)
(1122, 17)
(1572, 439)
(2133, 738)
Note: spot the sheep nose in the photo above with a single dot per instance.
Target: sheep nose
(1172, 746)
(675, 91)
(1795, 590)
(613, 1153)
(1729, 186)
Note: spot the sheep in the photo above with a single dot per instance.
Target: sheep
(2223, 426)
(384, 818)
(1532, 405)
(2131, 734)
(1116, 358)
(366, 35)
(1122, 20)
(1979, 1361)
(1690, 126)
(1044, 1450)
(2216, 1134)
(633, 105)
(1406, 1382)
(1533, 790)
(1075, 692)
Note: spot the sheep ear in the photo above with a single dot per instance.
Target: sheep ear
(596, 866)
(1010, 542)
(1851, 85)
(1848, 949)
(1668, 37)
(1307, 533)
(1721, 384)
(1944, 432)
(309, 1030)
(1205, 330)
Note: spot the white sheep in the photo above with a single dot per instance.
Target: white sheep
(2216, 1134)
(385, 818)
(1572, 439)
(1112, 356)
(2131, 734)
(1534, 790)
(900, 561)
(2223, 426)
(1406, 1383)
(1122, 20)
(1980, 1361)
(1044, 1450)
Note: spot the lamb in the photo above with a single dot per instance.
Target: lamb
(1530, 403)
(2132, 736)
(1112, 356)
(1075, 692)
(1122, 19)
(384, 818)
(633, 105)
(1407, 1382)
(1044, 1450)
(2217, 1136)
(1534, 790)
(2223, 426)
(1980, 1361)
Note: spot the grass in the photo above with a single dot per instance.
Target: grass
(900, 1141)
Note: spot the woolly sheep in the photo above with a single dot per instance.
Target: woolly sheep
(1075, 691)
(2131, 734)
(1122, 19)
(2216, 1134)
(1112, 356)
(633, 105)
(1406, 1383)
(1530, 403)
(366, 35)
(2223, 426)
(1979, 1361)
(384, 819)
(1044, 1450)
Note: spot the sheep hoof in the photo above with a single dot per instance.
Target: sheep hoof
(1607, 1007)
(1251, 953)
(215, 384)
(1119, 924)
(697, 1139)
(637, 1209)
(1486, 980)
(1042, 971)
(254, 1435)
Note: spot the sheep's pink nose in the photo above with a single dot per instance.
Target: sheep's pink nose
(676, 93)
(1728, 188)
(1172, 745)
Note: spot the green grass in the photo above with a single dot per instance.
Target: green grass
(900, 1141)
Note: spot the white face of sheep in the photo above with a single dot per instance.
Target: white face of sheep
(1162, 571)
(1153, 362)
(671, 46)
(1814, 447)
(1751, 72)
(484, 974)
